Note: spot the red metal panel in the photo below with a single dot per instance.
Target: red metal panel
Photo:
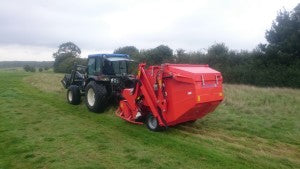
(181, 92)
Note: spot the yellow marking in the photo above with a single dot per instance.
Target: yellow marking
(220, 94)
(159, 82)
(139, 73)
(198, 98)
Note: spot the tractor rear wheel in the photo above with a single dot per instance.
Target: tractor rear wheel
(73, 95)
(153, 124)
(95, 97)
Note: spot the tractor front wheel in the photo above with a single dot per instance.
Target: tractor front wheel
(95, 97)
(153, 124)
(73, 95)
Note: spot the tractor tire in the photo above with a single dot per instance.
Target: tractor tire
(96, 97)
(152, 123)
(73, 95)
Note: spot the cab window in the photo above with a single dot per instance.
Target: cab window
(91, 66)
(98, 65)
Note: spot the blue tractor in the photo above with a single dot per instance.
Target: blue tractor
(101, 81)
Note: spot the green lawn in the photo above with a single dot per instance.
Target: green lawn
(253, 128)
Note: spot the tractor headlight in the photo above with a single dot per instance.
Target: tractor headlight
(105, 79)
(114, 80)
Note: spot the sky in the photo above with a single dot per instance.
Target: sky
(31, 30)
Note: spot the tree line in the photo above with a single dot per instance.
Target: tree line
(29, 68)
(276, 63)
(14, 64)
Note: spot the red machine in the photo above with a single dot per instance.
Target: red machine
(170, 94)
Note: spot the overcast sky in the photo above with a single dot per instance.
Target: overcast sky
(33, 29)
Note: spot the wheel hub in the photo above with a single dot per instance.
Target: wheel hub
(91, 97)
(70, 96)
(152, 122)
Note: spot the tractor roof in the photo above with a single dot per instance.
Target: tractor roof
(112, 57)
(109, 56)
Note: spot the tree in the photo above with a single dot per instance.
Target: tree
(217, 55)
(129, 50)
(284, 37)
(66, 55)
(181, 56)
(218, 49)
(28, 68)
(68, 47)
(40, 69)
(157, 55)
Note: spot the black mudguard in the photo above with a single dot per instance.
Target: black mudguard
(66, 81)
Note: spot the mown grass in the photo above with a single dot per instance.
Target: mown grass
(253, 128)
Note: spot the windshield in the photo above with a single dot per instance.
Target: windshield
(120, 67)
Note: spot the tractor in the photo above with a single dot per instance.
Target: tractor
(159, 95)
(101, 81)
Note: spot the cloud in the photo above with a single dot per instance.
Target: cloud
(40, 26)
(33, 23)
(21, 53)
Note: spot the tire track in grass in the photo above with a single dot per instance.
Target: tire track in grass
(249, 144)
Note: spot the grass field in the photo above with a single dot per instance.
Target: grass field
(253, 128)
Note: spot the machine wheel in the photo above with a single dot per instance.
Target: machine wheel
(95, 97)
(153, 124)
(73, 95)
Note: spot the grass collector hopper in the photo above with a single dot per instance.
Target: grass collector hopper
(171, 94)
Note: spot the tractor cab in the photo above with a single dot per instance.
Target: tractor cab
(108, 65)
(112, 70)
